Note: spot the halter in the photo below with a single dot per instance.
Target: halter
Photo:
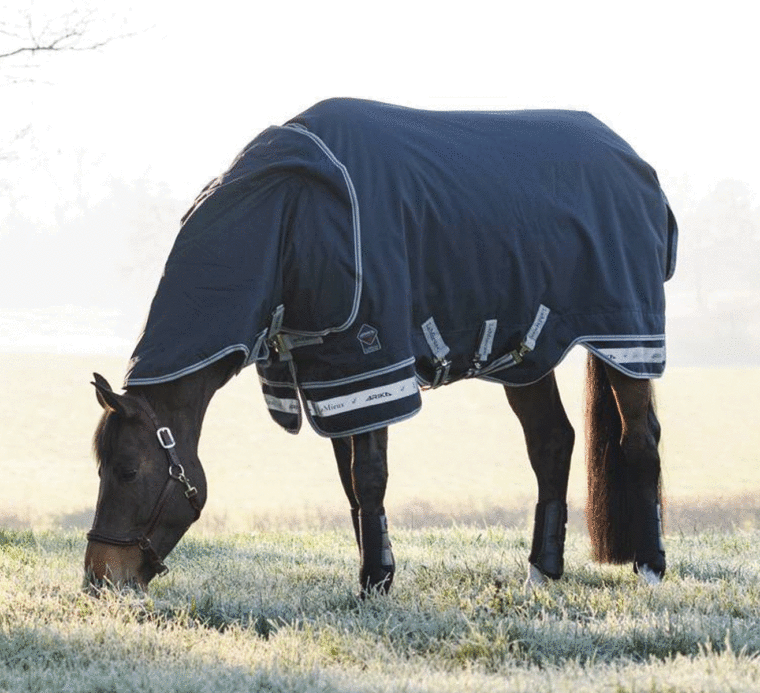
(176, 473)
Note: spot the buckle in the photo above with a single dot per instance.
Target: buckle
(165, 437)
(177, 472)
(441, 372)
(519, 354)
(155, 561)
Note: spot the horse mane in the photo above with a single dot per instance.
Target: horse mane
(104, 440)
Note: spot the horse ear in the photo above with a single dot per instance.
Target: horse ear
(108, 399)
(100, 381)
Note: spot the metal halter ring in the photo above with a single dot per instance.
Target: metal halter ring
(190, 490)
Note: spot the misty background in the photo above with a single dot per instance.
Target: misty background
(113, 116)
(107, 137)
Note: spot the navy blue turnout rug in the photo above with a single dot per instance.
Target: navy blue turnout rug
(363, 250)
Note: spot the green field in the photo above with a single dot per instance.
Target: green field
(275, 611)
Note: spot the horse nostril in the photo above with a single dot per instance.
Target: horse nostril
(107, 566)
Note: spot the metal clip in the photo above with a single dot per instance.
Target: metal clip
(190, 490)
(281, 347)
(441, 372)
(519, 354)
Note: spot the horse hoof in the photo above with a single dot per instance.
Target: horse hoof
(535, 579)
(376, 586)
(648, 576)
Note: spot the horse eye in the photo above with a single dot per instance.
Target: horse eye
(127, 475)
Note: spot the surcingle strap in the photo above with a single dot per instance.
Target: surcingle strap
(528, 344)
(275, 325)
(485, 346)
(440, 352)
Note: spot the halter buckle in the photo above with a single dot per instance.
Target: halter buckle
(156, 563)
(165, 437)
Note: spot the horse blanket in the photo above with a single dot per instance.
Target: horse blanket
(362, 251)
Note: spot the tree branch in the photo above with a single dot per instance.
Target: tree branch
(72, 32)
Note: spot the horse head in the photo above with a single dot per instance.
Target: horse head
(147, 457)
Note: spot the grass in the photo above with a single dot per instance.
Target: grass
(276, 611)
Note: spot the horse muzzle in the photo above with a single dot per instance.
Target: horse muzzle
(117, 565)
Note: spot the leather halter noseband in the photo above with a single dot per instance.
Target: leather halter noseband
(176, 474)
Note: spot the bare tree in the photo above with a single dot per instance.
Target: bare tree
(29, 34)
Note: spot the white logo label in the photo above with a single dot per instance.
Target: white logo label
(434, 339)
(365, 398)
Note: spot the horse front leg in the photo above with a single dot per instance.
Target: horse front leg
(344, 451)
(549, 438)
(366, 493)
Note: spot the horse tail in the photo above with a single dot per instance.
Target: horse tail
(608, 514)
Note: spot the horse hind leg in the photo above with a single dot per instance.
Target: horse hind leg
(639, 460)
(549, 437)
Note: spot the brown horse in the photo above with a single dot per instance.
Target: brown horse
(152, 485)
(363, 250)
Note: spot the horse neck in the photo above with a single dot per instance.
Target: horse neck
(181, 404)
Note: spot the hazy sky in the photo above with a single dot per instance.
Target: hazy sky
(176, 100)
(179, 99)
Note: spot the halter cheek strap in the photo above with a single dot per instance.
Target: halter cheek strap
(176, 474)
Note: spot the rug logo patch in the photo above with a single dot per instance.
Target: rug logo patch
(344, 404)
(368, 338)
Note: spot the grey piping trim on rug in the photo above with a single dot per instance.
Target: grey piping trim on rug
(356, 223)
(360, 376)
(583, 341)
(362, 429)
(188, 369)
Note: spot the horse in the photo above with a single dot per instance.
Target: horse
(362, 252)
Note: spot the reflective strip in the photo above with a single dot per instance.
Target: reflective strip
(365, 398)
(434, 339)
(486, 340)
(284, 404)
(536, 327)
(635, 354)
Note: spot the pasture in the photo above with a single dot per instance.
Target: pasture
(275, 611)
(261, 592)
